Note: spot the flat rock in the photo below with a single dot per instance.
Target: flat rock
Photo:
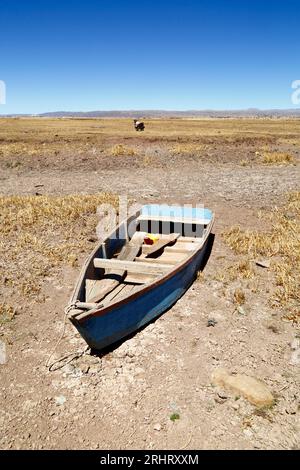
(263, 263)
(3, 357)
(295, 344)
(248, 433)
(255, 391)
(60, 400)
(295, 358)
(241, 310)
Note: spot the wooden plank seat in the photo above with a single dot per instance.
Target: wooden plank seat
(183, 239)
(174, 220)
(118, 292)
(154, 260)
(181, 248)
(97, 289)
(180, 239)
(132, 266)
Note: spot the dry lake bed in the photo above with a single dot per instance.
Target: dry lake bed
(157, 389)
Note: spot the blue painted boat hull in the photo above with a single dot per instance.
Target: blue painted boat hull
(101, 329)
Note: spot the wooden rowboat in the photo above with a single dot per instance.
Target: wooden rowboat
(126, 283)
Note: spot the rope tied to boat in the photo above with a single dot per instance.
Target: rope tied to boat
(71, 306)
(63, 361)
(72, 356)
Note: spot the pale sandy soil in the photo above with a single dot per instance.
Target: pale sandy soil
(124, 399)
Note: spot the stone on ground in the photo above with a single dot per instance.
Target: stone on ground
(3, 358)
(255, 391)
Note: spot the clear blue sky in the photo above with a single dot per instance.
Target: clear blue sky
(147, 54)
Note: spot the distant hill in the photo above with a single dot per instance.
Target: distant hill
(250, 113)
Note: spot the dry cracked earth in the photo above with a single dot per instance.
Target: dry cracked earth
(125, 398)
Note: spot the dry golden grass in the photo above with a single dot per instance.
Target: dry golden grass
(241, 270)
(200, 276)
(239, 296)
(21, 212)
(188, 149)
(36, 142)
(269, 156)
(7, 313)
(148, 160)
(40, 235)
(277, 158)
(120, 150)
(31, 131)
(17, 148)
(282, 243)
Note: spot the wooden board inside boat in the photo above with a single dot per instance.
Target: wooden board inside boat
(136, 264)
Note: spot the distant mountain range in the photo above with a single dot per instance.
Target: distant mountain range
(251, 113)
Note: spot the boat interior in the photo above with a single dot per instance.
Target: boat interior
(137, 253)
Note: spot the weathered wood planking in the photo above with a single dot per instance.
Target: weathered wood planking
(154, 261)
(131, 266)
(149, 250)
(100, 288)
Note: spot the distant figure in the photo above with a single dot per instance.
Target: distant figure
(139, 125)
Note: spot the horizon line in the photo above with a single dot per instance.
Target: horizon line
(151, 110)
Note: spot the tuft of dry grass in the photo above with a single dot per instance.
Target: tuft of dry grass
(241, 270)
(188, 148)
(120, 150)
(200, 276)
(7, 312)
(282, 242)
(277, 158)
(244, 269)
(17, 148)
(239, 296)
(39, 235)
(148, 160)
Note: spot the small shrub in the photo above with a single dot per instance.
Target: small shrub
(174, 417)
